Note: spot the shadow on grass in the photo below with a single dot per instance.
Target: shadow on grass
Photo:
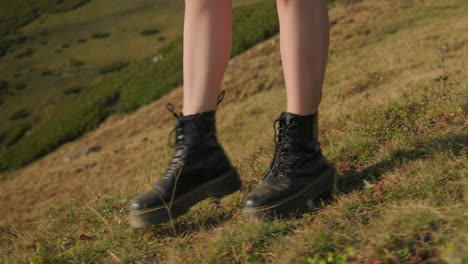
(353, 180)
(205, 216)
(209, 218)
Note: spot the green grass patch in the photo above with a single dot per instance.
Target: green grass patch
(250, 240)
(77, 116)
(14, 14)
(10, 137)
(253, 24)
(147, 81)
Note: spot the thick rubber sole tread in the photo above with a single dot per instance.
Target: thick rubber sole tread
(225, 184)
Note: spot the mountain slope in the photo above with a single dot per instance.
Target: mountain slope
(65, 73)
(393, 120)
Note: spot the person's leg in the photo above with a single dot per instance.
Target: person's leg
(299, 174)
(207, 49)
(304, 38)
(199, 167)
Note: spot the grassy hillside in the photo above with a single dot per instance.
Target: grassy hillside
(67, 72)
(14, 14)
(393, 120)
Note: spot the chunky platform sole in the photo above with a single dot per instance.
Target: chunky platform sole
(306, 199)
(223, 185)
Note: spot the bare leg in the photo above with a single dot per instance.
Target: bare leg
(207, 49)
(304, 38)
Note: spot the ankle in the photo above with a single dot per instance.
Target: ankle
(197, 110)
(302, 112)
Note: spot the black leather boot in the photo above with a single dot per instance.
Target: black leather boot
(199, 169)
(299, 174)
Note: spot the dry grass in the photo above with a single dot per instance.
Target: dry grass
(386, 118)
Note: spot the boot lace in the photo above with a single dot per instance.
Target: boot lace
(285, 151)
(177, 159)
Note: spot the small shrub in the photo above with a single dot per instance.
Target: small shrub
(65, 46)
(115, 66)
(21, 86)
(4, 46)
(46, 73)
(72, 90)
(4, 85)
(19, 40)
(392, 29)
(76, 63)
(161, 38)
(100, 35)
(20, 114)
(1, 101)
(27, 53)
(83, 40)
(3, 135)
(148, 32)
